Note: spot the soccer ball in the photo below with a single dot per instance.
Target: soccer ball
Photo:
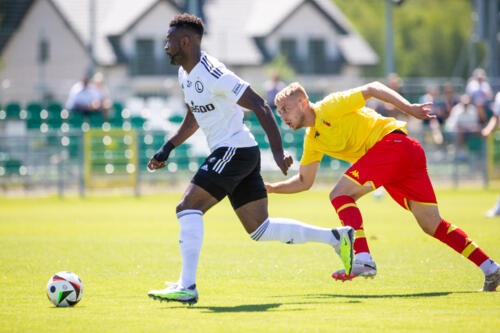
(65, 289)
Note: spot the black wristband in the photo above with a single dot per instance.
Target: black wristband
(162, 153)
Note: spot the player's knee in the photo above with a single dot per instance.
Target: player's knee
(335, 193)
(181, 206)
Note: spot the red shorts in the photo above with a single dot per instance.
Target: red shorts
(397, 162)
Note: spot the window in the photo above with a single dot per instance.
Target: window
(43, 51)
(144, 61)
(288, 48)
(316, 63)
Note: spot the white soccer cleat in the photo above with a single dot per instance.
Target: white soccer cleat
(366, 269)
(345, 247)
(176, 293)
(492, 281)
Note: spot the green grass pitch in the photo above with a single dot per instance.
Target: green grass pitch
(123, 246)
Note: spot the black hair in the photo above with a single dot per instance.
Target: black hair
(190, 22)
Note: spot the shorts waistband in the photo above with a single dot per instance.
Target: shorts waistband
(397, 131)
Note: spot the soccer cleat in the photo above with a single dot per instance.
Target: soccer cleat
(492, 281)
(176, 293)
(345, 248)
(366, 269)
(494, 212)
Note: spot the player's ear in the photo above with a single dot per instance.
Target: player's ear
(302, 102)
(185, 41)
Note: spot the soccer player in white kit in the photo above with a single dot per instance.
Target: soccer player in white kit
(215, 98)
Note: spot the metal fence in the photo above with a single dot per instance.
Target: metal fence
(81, 161)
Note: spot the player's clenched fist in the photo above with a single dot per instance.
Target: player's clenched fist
(284, 161)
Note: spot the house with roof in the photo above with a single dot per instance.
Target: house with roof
(48, 45)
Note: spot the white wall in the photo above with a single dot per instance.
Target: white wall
(304, 24)
(152, 26)
(66, 64)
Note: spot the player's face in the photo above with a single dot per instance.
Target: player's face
(291, 111)
(173, 46)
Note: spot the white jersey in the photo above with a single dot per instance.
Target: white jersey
(212, 92)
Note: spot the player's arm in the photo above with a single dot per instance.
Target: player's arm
(490, 127)
(380, 91)
(188, 127)
(298, 183)
(252, 101)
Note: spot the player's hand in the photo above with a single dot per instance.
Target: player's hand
(153, 164)
(159, 159)
(269, 187)
(284, 161)
(420, 111)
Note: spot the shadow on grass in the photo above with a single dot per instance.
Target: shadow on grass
(414, 295)
(239, 308)
(318, 297)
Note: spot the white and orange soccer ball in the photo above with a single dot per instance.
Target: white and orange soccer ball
(65, 289)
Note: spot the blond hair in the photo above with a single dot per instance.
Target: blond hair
(293, 89)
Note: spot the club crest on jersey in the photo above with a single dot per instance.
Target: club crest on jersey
(189, 84)
(326, 123)
(198, 86)
(355, 173)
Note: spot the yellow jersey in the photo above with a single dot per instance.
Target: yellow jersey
(344, 128)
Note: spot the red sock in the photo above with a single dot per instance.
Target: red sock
(458, 240)
(350, 215)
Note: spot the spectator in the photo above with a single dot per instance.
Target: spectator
(83, 98)
(463, 120)
(479, 89)
(101, 93)
(450, 99)
(431, 96)
(272, 87)
(490, 128)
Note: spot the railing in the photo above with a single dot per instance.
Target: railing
(78, 161)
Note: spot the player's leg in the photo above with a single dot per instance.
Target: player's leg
(194, 203)
(343, 198)
(380, 165)
(260, 227)
(249, 200)
(201, 194)
(431, 223)
(415, 193)
(495, 211)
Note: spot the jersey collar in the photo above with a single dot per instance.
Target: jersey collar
(198, 64)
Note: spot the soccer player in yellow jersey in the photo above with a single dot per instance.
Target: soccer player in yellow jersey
(382, 155)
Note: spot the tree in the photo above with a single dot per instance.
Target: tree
(429, 36)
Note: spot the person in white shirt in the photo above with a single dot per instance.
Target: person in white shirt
(486, 132)
(479, 89)
(83, 97)
(215, 98)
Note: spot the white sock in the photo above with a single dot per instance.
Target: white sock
(364, 256)
(489, 267)
(190, 240)
(497, 206)
(292, 232)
